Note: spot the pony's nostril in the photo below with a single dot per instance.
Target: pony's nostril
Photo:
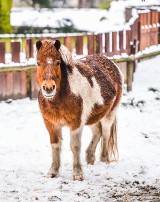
(44, 88)
(53, 87)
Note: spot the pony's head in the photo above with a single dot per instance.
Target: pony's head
(48, 72)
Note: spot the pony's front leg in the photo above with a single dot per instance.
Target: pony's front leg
(55, 140)
(75, 144)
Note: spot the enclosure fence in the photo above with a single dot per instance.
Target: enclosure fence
(19, 81)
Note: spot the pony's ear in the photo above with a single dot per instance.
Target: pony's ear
(57, 44)
(38, 44)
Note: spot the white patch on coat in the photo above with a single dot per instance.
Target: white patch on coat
(80, 86)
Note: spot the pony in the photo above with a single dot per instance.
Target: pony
(75, 93)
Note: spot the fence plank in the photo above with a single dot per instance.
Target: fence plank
(148, 16)
(68, 42)
(6, 82)
(9, 84)
(114, 43)
(90, 43)
(121, 42)
(3, 86)
(107, 44)
(15, 51)
(34, 87)
(16, 86)
(99, 43)
(79, 45)
(135, 31)
(29, 48)
(23, 84)
(128, 40)
(142, 31)
(154, 28)
(2, 52)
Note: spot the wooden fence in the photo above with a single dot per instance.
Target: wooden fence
(19, 82)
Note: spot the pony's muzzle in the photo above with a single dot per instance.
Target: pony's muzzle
(48, 89)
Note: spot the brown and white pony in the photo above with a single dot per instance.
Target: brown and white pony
(77, 93)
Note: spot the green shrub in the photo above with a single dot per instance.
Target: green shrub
(105, 4)
(5, 7)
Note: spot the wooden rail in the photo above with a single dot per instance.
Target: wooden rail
(20, 82)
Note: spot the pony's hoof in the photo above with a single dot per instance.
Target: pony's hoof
(91, 161)
(78, 177)
(51, 175)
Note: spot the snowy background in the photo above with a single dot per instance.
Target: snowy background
(83, 19)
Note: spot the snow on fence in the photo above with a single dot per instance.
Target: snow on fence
(19, 81)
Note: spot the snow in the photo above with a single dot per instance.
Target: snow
(25, 153)
(83, 19)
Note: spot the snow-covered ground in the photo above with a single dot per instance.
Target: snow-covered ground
(25, 154)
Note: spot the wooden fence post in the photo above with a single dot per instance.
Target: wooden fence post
(15, 51)
(2, 52)
(129, 75)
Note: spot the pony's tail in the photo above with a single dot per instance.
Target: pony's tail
(112, 153)
(112, 146)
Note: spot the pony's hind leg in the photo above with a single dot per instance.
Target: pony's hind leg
(96, 134)
(109, 149)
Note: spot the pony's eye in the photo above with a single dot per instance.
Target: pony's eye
(38, 63)
(57, 62)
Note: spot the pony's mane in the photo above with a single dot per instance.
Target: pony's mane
(66, 55)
